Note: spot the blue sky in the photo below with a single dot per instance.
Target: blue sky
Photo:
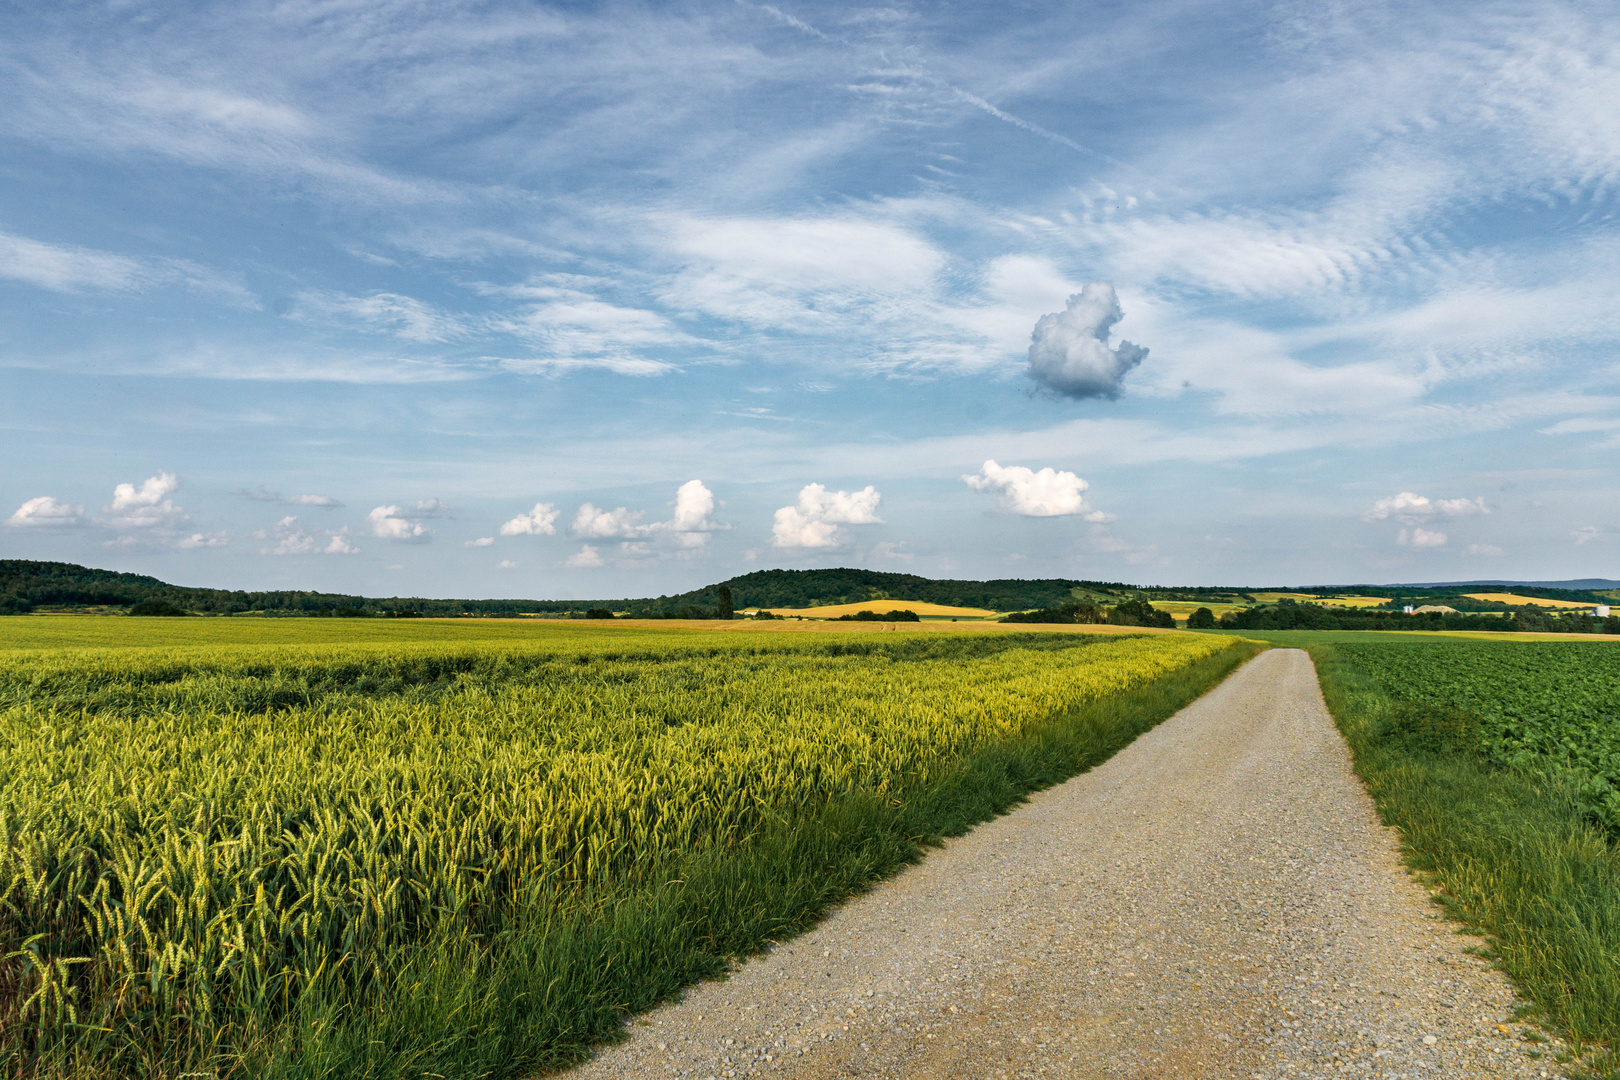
(499, 299)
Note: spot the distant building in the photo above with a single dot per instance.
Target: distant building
(1408, 609)
(1601, 611)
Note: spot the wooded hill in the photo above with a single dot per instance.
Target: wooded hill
(27, 585)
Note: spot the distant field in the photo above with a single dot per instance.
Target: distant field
(1521, 601)
(1330, 601)
(1183, 608)
(927, 611)
(21, 632)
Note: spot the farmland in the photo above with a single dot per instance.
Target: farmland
(923, 609)
(1498, 761)
(1520, 704)
(1517, 600)
(435, 851)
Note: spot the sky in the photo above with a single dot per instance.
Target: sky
(608, 300)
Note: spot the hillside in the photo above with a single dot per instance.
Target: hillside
(27, 585)
(815, 588)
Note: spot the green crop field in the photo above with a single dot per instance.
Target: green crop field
(474, 855)
(1522, 704)
(1498, 760)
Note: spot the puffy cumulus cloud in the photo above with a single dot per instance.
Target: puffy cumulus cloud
(482, 541)
(541, 521)
(313, 500)
(594, 522)
(506, 564)
(147, 506)
(813, 522)
(46, 513)
(694, 519)
(339, 544)
(587, 556)
(392, 523)
(1048, 493)
(694, 509)
(287, 537)
(689, 527)
(1069, 352)
(202, 540)
(1419, 537)
(1411, 509)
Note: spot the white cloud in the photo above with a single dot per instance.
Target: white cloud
(1048, 493)
(813, 522)
(1586, 534)
(1409, 508)
(148, 506)
(339, 544)
(693, 520)
(597, 523)
(799, 274)
(482, 541)
(1419, 537)
(203, 540)
(587, 556)
(541, 521)
(506, 564)
(1069, 352)
(1486, 550)
(392, 523)
(65, 269)
(694, 509)
(46, 513)
(384, 313)
(288, 538)
(313, 500)
(694, 517)
(575, 330)
(69, 269)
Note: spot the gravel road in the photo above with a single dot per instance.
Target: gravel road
(1218, 900)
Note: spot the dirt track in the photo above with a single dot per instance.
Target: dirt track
(1218, 900)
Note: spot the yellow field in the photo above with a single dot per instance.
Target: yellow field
(290, 859)
(99, 632)
(1183, 608)
(1329, 601)
(927, 611)
(1520, 601)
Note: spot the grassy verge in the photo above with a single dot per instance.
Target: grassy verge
(1513, 852)
(541, 995)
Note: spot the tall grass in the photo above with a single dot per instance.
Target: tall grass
(472, 861)
(1515, 850)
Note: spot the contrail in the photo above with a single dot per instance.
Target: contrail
(1061, 140)
(797, 24)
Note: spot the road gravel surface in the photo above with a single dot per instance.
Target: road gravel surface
(1217, 900)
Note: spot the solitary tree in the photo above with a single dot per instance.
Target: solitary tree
(1202, 619)
(725, 608)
